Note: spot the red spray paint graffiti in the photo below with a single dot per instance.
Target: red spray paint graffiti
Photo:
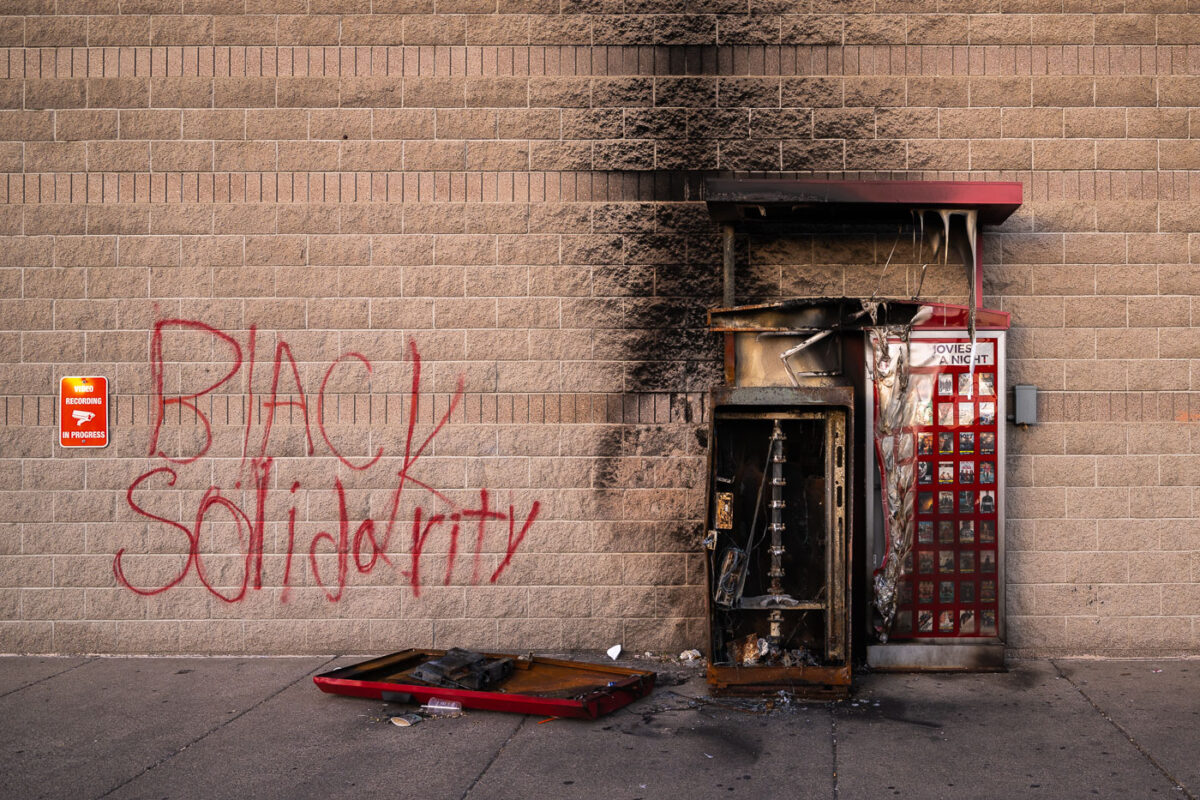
(367, 547)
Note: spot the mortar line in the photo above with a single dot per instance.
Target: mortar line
(492, 760)
(48, 677)
(1137, 745)
(217, 727)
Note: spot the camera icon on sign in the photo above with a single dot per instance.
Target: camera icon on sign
(81, 417)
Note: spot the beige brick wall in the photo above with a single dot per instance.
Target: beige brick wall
(510, 188)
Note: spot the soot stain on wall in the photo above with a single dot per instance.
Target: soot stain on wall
(667, 348)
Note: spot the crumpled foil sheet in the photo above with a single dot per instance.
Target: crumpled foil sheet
(895, 448)
(895, 409)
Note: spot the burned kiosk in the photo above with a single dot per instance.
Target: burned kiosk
(794, 512)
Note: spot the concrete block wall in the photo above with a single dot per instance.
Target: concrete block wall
(280, 205)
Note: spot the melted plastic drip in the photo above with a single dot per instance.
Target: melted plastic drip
(896, 407)
(940, 241)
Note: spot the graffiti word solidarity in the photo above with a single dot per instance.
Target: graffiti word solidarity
(367, 546)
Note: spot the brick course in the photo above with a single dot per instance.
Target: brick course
(513, 189)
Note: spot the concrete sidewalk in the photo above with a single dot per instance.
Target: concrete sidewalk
(258, 728)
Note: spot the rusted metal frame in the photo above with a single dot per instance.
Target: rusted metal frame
(837, 463)
(805, 680)
(729, 293)
(710, 519)
(784, 396)
(730, 359)
(770, 674)
(831, 540)
(728, 297)
(791, 415)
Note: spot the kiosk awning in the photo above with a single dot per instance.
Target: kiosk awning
(732, 200)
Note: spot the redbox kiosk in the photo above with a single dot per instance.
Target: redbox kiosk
(935, 516)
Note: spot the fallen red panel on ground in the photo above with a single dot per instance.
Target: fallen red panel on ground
(537, 685)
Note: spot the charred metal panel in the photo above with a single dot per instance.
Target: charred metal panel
(778, 545)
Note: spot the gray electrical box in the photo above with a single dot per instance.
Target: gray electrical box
(1025, 404)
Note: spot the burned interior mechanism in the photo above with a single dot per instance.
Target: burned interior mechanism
(771, 554)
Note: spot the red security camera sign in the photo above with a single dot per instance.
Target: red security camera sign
(83, 412)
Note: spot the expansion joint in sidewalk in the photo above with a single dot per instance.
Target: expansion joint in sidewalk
(216, 728)
(48, 677)
(493, 759)
(1128, 736)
